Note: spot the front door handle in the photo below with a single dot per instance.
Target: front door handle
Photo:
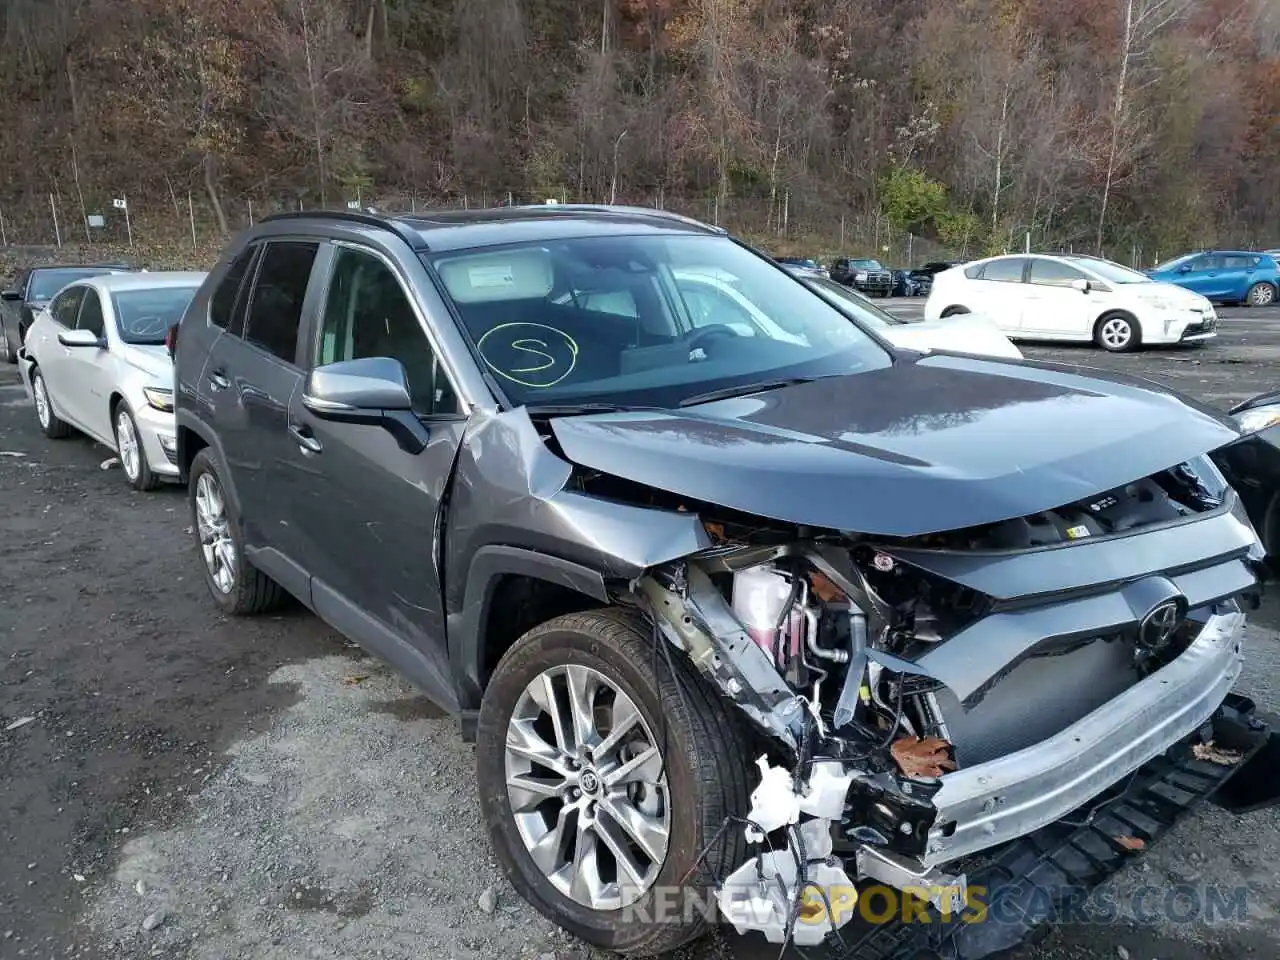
(218, 380)
(306, 439)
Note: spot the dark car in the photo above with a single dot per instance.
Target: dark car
(804, 266)
(864, 275)
(1252, 465)
(922, 276)
(31, 291)
(654, 560)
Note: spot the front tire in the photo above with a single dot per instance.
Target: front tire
(1117, 333)
(590, 854)
(7, 353)
(53, 428)
(1261, 294)
(237, 586)
(133, 457)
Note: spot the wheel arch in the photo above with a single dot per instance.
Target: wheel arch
(510, 590)
(192, 436)
(1118, 312)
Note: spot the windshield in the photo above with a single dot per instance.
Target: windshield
(644, 320)
(1176, 261)
(854, 304)
(800, 262)
(866, 264)
(1110, 271)
(45, 283)
(143, 317)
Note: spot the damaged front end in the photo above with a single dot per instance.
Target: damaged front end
(924, 703)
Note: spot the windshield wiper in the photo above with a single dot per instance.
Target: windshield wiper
(742, 389)
(568, 409)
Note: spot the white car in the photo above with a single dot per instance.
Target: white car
(95, 360)
(1076, 298)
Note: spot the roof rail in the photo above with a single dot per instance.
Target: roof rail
(399, 227)
(652, 212)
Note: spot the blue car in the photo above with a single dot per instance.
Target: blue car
(1225, 276)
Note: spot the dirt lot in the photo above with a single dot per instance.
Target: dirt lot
(258, 788)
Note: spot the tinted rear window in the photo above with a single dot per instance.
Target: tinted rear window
(275, 311)
(45, 283)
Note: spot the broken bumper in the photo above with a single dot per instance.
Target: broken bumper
(995, 802)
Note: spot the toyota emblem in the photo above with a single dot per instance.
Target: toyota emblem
(1160, 623)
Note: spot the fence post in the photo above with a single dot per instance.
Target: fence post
(191, 213)
(4, 237)
(251, 212)
(128, 221)
(841, 233)
(57, 232)
(1028, 250)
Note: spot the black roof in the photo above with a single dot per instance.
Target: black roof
(457, 229)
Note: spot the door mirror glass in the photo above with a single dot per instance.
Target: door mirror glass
(11, 295)
(80, 338)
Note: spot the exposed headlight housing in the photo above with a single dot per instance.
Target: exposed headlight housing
(1258, 418)
(160, 398)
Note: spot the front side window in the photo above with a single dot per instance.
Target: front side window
(66, 305)
(1054, 273)
(143, 317)
(1004, 271)
(367, 314)
(520, 309)
(91, 314)
(275, 307)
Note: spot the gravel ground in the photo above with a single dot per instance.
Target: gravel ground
(192, 786)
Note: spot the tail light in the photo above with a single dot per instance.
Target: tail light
(171, 340)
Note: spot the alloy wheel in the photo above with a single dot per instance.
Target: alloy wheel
(41, 394)
(1262, 295)
(127, 442)
(215, 532)
(587, 787)
(1116, 333)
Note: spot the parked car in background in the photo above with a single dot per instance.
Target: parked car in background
(863, 274)
(1253, 467)
(95, 361)
(1224, 276)
(1072, 298)
(904, 285)
(967, 334)
(923, 275)
(804, 267)
(31, 291)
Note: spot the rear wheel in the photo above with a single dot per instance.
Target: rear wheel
(1117, 333)
(1261, 295)
(53, 428)
(605, 769)
(237, 586)
(7, 353)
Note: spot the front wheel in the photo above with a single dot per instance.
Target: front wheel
(236, 585)
(1261, 295)
(1117, 333)
(605, 768)
(7, 353)
(133, 457)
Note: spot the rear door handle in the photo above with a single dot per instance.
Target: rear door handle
(218, 380)
(306, 439)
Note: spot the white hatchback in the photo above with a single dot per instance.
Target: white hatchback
(1072, 297)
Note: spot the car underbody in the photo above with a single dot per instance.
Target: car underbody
(925, 707)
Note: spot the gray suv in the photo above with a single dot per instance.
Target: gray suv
(745, 609)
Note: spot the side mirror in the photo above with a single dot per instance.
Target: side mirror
(1082, 285)
(371, 390)
(11, 295)
(1185, 268)
(82, 338)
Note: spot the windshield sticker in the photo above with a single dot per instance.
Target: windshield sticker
(530, 354)
(489, 277)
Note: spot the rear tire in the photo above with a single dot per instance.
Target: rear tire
(237, 586)
(7, 353)
(704, 763)
(954, 312)
(1117, 333)
(53, 428)
(1261, 294)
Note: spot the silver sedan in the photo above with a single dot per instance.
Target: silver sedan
(95, 360)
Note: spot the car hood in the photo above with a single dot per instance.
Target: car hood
(153, 360)
(922, 446)
(967, 333)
